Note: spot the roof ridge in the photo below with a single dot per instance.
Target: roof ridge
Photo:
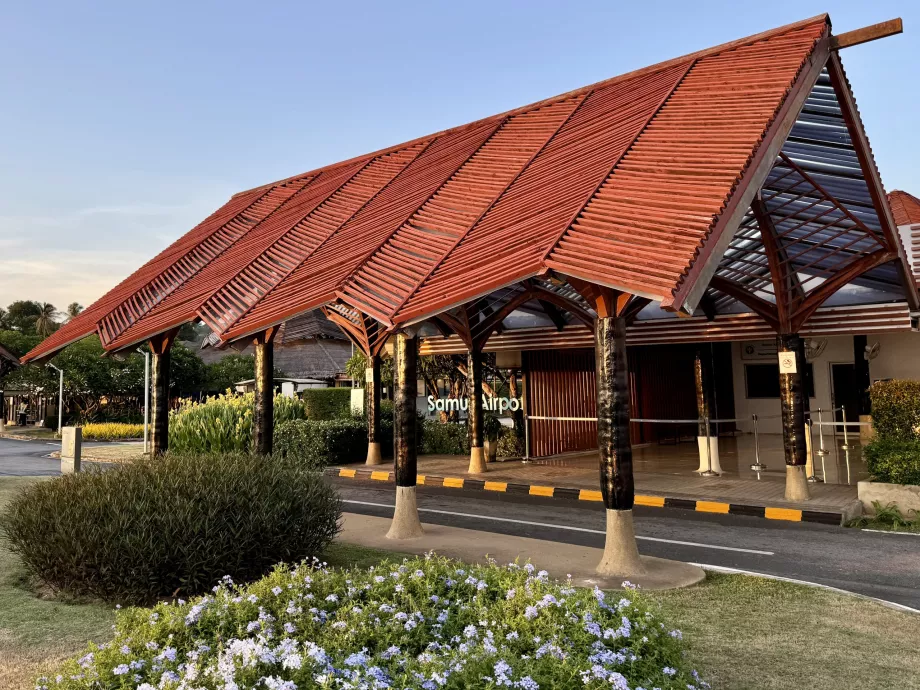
(671, 62)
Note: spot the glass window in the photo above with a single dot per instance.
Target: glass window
(762, 380)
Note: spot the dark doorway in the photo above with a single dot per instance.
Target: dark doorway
(845, 391)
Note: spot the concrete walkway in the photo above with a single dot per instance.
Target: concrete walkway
(560, 560)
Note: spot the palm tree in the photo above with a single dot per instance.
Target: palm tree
(73, 309)
(45, 323)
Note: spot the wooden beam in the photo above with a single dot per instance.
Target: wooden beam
(553, 314)
(868, 33)
(766, 310)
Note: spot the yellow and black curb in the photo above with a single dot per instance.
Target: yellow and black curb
(572, 494)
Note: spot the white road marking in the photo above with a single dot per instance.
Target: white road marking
(566, 527)
(807, 583)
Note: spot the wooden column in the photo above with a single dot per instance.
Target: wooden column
(406, 524)
(861, 370)
(263, 419)
(372, 405)
(475, 413)
(159, 392)
(793, 396)
(702, 374)
(621, 555)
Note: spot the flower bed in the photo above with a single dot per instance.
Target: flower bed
(112, 431)
(426, 623)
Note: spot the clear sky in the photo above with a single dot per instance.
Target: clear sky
(124, 124)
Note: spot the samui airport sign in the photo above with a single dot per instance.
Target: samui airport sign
(491, 403)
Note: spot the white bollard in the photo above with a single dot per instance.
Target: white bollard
(710, 462)
(71, 448)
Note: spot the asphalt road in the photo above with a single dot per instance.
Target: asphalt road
(881, 565)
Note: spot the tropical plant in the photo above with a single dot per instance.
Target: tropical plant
(223, 423)
(46, 321)
(73, 310)
(422, 623)
(356, 368)
(887, 516)
(174, 524)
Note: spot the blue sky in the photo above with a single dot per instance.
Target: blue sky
(124, 124)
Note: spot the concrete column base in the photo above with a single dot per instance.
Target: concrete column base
(374, 456)
(477, 461)
(796, 483)
(621, 555)
(406, 524)
(714, 451)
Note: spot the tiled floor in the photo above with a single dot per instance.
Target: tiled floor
(670, 470)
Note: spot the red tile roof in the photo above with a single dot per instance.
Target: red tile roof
(619, 182)
(904, 207)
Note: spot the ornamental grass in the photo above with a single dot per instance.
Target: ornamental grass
(424, 623)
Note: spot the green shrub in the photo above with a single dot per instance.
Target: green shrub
(896, 409)
(510, 444)
(327, 403)
(491, 427)
(111, 431)
(892, 461)
(174, 524)
(425, 623)
(320, 444)
(440, 438)
(223, 423)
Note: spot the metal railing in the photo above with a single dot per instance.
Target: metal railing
(757, 466)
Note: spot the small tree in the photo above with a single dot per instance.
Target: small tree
(227, 371)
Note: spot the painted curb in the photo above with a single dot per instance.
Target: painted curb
(574, 494)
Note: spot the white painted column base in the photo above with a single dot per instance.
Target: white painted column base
(621, 555)
(796, 483)
(477, 461)
(374, 456)
(406, 524)
(713, 449)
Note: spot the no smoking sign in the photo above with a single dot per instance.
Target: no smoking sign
(787, 363)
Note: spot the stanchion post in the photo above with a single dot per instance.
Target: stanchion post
(810, 431)
(758, 466)
(708, 472)
(846, 438)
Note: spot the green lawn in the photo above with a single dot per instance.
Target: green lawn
(744, 633)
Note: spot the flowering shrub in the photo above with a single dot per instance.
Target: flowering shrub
(426, 623)
(111, 431)
(174, 523)
(223, 423)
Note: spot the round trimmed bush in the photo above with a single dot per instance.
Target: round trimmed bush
(425, 623)
(171, 525)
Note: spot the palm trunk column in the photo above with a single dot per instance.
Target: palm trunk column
(372, 403)
(477, 454)
(159, 393)
(621, 555)
(264, 413)
(406, 523)
(792, 401)
(705, 405)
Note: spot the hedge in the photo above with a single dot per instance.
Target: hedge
(893, 461)
(317, 444)
(896, 409)
(447, 438)
(111, 431)
(327, 403)
(172, 525)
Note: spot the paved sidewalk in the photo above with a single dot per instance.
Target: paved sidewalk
(473, 546)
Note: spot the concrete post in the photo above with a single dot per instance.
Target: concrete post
(791, 393)
(475, 418)
(621, 555)
(705, 407)
(263, 418)
(372, 410)
(406, 523)
(71, 449)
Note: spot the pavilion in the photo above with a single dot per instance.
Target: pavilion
(735, 184)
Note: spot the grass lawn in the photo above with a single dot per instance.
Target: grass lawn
(744, 633)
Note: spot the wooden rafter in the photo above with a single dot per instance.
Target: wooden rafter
(766, 310)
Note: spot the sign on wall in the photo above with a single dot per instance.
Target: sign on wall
(787, 363)
(490, 403)
(758, 349)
